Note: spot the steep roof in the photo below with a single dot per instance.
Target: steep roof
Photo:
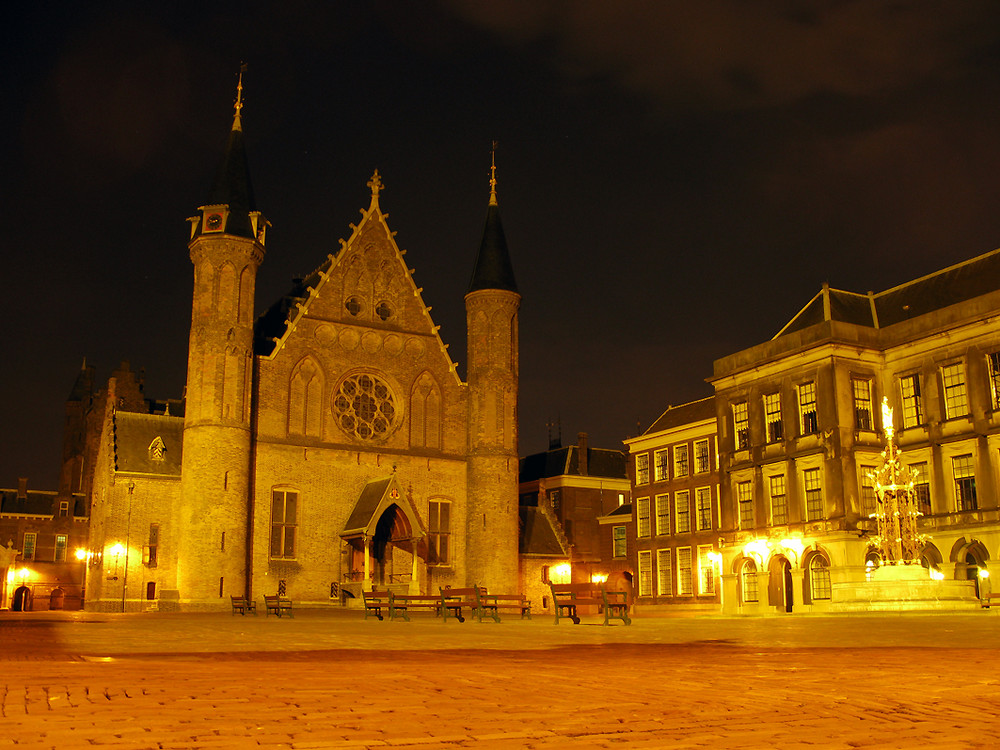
(601, 462)
(949, 286)
(134, 438)
(538, 536)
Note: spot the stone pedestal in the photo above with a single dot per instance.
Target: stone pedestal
(902, 588)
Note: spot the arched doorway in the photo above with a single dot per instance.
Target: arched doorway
(392, 548)
(57, 598)
(970, 559)
(22, 599)
(780, 589)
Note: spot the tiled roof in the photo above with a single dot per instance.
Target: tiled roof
(134, 435)
(949, 286)
(601, 462)
(538, 537)
(273, 323)
(493, 269)
(36, 503)
(676, 416)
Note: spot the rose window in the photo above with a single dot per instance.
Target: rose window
(364, 407)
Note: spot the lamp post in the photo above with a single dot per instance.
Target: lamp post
(128, 534)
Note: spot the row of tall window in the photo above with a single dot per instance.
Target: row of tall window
(29, 546)
(681, 571)
(777, 489)
(688, 511)
(675, 462)
(953, 388)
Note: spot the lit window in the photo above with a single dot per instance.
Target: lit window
(439, 532)
(645, 573)
(681, 460)
(619, 541)
(61, 544)
(862, 389)
(772, 417)
(682, 512)
(684, 571)
(965, 482)
(642, 468)
(779, 500)
(662, 515)
(152, 548)
(661, 468)
(807, 408)
(922, 487)
(703, 507)
(28, 547)
(664, 573)
(744, 498)
(706, 571)
(956, 402)
(748, 581)
(819, 577)
(909, 389)
(741, 425)
(867, 491)
(993, 361)
(283, 523)
(642, 516)
(702, 464)
(814, 495)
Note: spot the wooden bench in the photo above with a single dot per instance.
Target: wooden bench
(375, 602)
(455, 600)
(243, 605)
(278, 605)
(490, 605)
(566, 597)
(400, 605)
(986, 601)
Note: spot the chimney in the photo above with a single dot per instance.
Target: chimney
(581, 441)
(22, 488)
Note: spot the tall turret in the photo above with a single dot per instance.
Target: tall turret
(227, 247)
(491, 306)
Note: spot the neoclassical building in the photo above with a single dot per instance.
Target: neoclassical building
(326, 446)
(799, 429)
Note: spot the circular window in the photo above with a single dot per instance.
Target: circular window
(365, 407)
(383, 311)
(353, 306)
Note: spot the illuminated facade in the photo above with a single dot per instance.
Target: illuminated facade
(327, 447)
(800, 432)
(675, 471)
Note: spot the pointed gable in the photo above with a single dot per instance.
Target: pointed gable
(366, 285)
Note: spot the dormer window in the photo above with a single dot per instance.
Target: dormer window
(156, 449)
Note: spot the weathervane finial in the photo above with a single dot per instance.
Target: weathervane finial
(493, 175)
(237, 124)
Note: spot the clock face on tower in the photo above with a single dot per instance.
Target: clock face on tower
(213, 222)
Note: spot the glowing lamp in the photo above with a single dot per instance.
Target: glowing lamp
(81, 554)
(599, 578)
(759, 549)
(560, 573)
(984, 573)
(117, 549)
(936, 575)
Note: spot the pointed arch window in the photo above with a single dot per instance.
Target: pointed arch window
(305, 397)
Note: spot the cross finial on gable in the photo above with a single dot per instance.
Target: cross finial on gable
(375, 183)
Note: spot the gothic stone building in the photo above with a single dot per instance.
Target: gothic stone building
(326, 447)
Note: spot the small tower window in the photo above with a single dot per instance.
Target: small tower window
(383, 311)
(156, 449)
(353, 306)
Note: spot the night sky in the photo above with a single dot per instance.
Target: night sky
(676, 179)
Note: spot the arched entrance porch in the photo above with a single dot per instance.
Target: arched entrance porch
(382, 541)
(781, 590)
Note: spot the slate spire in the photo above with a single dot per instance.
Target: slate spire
(232, 185)
(493, 268)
